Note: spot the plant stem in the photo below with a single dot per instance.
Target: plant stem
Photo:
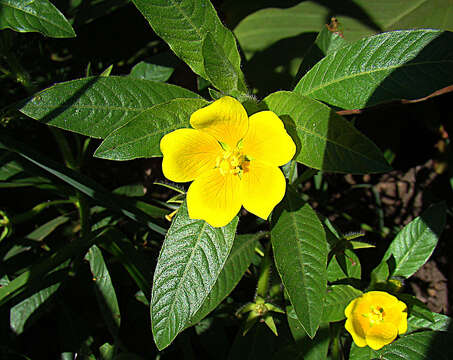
(263, 279)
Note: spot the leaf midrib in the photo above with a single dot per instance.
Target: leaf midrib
(408, 252)
(36, 16)
(298, 127)
(189, 265)
(347, 77)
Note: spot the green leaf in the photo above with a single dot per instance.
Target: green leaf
(34, 16)
(240, 258)
(300, 254)
(440, 323)
(420, 346)
(344, 266)
(44, 230)
(415, 243)
(23, 313)
(304, 348)
(82, 183)
(96, 106)
(219, 70)
(134, 261)
(147, 71)
(325, 140)
(395, 65)
(362, 353)
(338, 297)
(265, 27)
(104, 290)
(325, 43)
(36, 272)
(357, 18)
(141, 136)
(190, 261)
(183, 24)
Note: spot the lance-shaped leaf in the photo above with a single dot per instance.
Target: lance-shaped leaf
(141, 136)
(419, 346)
(338, 297)
(238, 261)
(34, 16)
(183, 24)
(24, 313)
(415, 243)
(104, 290)
(395, 65)
(219, 70)
(190, 261)
(300, 253)
(98, 105)
(325, 140)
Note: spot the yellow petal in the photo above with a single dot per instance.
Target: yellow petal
(267, 139)
(187, 154)
(350, 307)
(214, 197)
(397, 315)
(225, 119)
(357, 336)
(262, 188)
(381, 334)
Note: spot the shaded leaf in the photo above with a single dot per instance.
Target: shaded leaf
(141, 136)
(22, 313)
(219, 70)
(240, 258)
(344, 266)
(300, 254)
(147, 71)
(325, 140)
(190, 261)
(34, 16)
(82, 183)
(362, 353)
(326, 42)
(104, 290)
(395, 65)
(183, 24)
(96, 106)
(304, 348)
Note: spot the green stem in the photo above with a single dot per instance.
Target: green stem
(263, 279)
(336, 345)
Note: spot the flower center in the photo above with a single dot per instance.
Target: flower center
(232, 162)
(375, 315)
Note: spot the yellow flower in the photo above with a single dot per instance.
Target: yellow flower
(232, 159)
(375, 319)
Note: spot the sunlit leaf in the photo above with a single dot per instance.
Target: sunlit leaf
(325, 140)
(96, 106)
(141, 136)
(300, 253)
(190, 261)
(396, 65)
(34, 16)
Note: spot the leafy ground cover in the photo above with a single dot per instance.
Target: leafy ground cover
(86, 211)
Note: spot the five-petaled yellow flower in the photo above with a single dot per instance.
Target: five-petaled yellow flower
(375, 319)
(232, 159)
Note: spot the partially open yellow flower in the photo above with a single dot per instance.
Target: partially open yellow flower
(375, 319)
(233, 160)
